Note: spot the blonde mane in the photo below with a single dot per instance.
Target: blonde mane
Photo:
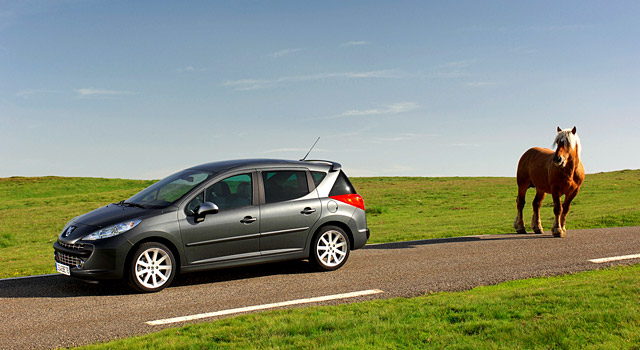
(570, 140)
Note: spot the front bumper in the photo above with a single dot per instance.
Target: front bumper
(92, 262)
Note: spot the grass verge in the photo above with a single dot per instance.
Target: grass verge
(589, 310)
(34, 210)
(417, 208)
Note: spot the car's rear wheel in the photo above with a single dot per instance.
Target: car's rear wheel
(152, 267)
(330, 248)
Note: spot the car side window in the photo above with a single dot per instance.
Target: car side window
(233, 192)
(284, 185)
(318, 176)
(195, 203)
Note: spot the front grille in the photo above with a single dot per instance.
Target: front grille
(76, 246)
(69, 260)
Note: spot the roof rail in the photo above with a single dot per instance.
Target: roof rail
(334, 166)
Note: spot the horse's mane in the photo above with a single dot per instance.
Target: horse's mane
(569, 139)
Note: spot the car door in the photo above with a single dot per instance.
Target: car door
(288, 210)
(233, 232)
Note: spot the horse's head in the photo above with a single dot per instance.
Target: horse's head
(567, 145)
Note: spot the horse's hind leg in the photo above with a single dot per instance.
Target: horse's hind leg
(518, 224)
(536, 223)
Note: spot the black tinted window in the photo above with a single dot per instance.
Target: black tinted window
(284, 185)
(318, 176)
(232, 192)
(342, 186)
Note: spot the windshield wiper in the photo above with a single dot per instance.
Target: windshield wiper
(131, 204)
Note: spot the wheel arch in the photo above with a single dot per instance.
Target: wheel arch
(157, 239)
(339, 224)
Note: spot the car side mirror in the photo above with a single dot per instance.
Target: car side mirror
(207, 208)
(204, 209)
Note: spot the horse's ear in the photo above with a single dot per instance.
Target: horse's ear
(559, 130)
(574, 130)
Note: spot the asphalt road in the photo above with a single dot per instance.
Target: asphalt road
(54, 311)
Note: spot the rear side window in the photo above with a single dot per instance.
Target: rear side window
(318, 176)
(284, 185)
(342, 186)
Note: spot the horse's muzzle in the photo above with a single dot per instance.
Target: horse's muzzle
(559, 161)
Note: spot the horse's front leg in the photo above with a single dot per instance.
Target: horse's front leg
(557, 229)
(565, 208)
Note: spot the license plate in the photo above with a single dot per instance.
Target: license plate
(63, 269)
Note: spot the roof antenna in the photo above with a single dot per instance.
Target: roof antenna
(305, 156)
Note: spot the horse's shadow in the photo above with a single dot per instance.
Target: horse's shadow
(59, 286)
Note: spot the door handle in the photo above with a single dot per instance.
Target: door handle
(248, 219)
(307, 211)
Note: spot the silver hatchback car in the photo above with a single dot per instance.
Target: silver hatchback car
(217, 215)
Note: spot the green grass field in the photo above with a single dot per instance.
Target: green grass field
(34, 210)
(597, 309)
(589, 310)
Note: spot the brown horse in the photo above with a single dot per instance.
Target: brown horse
(558, 173)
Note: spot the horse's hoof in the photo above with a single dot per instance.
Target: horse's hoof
(559, 233)
(538, 231)
(521, 231)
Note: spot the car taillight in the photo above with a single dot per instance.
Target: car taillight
(351, 199)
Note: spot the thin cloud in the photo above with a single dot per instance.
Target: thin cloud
(288, 150)
(396, 138)
(457, 64)
(29, 93)
(254, 84)
(523, 50)
(561, 28)
(284, 52)
(189, 69)
(87, 92)
(451, 70)
(465, 145)
(538, 28)
(395, 108)
(481, 83)
(354, 43)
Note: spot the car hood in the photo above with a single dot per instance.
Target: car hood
(111, 214)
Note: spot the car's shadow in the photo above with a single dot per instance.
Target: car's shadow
(485, 238)
(59, 286)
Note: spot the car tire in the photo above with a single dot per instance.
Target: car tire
(152, 267)
(330, 248)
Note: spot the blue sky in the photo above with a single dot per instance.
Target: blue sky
(141, 89)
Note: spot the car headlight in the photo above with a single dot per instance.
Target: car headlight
(113, 230)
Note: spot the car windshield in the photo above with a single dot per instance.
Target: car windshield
(170, 189)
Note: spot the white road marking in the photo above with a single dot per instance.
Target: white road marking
(263, 307)
(615, 258)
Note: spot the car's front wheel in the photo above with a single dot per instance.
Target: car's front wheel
(152, 267)
(330, 248)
